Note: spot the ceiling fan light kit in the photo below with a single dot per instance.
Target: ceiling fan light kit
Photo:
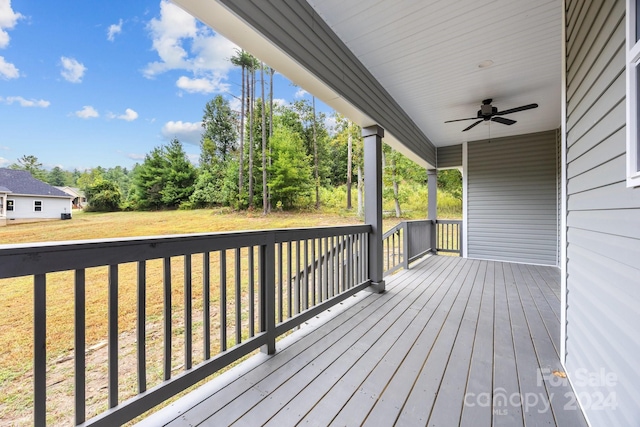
(488, 112)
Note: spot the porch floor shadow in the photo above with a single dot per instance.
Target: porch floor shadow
(451, 342)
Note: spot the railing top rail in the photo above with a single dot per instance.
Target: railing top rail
(418, 220)
(449, 221)
(46, 257)
(393, 229)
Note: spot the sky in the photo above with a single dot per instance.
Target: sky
(101, 83)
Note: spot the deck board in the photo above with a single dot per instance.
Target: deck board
(444, 339)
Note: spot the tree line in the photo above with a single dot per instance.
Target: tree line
(263, 157)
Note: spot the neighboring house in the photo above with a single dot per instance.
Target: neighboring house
(4, 192)
(25, 198)
(79, 199)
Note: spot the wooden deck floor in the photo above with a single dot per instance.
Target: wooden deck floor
(452, 342)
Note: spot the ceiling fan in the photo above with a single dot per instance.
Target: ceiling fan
(489, 112)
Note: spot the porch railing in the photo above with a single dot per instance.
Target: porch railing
(449, 236)
(404, 243)
(237, 293)
(411, 240)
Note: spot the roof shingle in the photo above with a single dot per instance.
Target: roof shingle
(21, 182)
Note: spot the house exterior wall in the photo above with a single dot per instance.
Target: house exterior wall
(512, 199)
(52, 207)
(449, 156)
(603, 219)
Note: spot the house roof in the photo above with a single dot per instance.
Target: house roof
(4, 189)
(22, 183)
(72, 191)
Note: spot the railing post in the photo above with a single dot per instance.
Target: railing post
(405, 245)
(268, 292)
(373, 201)
(432, 203)
(39, 350)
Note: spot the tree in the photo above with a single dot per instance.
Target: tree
(394, 177)
(291, 172)
(450, 180)
(265, 201)
(103, 196)
(246, 62)
(219, 137)
(89, 177)
(148, 180)
(57, 177)
(165, 178)
(252, 97)
(315, 136)
(32, 165)
(121, 177)
(315, 152)
(180, 176)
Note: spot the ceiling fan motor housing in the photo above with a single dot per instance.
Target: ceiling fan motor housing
(486, 111)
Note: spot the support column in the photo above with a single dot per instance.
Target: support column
(432, 203)
(373, 201)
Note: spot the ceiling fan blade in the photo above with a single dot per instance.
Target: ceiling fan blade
(475, 124)
(515, 110)
(503, 120)
(459, 120)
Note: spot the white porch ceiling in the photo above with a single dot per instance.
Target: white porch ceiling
(426, 55)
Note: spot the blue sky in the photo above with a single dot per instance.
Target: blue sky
(100, 83)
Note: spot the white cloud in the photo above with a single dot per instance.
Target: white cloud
(183, 44)
(72, 70)
(186, 132)
(129, 115)
(135, 156)
(113, 30)
(193, 158)
(7, 69)
(8, 20)
(3, 161)
(201, 85)
(87, 112)
(25, 102)
(279, 102)
(300, 93)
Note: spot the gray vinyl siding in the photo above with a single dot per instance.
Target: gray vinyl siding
(603, 219)
(512, 199)
(449, 156)
(296, 28)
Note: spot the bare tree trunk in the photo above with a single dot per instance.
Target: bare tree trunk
(315, 154)
(360, 188)
(241, 151)
(349, 164)
(265, 200)
(252, 95)
(394, 178)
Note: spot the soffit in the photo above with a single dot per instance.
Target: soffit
(426, 55)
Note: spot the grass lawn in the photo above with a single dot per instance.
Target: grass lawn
(90, 225)
(16, 302)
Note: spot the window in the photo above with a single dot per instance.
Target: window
(9, 205)
(37, 205)
(633, 93)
